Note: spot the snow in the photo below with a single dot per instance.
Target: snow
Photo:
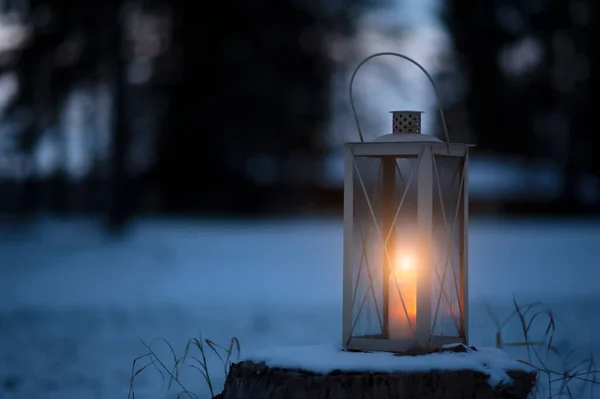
(324, 359)
(75, 305)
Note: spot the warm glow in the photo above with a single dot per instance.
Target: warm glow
(405, 263)
(404, 279)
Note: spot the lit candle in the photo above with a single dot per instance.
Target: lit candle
(403, 278)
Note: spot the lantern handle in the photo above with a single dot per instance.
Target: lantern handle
(407, 59)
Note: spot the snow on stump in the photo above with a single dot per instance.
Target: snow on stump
(324, 372)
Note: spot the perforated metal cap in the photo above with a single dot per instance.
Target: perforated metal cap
(406, 121)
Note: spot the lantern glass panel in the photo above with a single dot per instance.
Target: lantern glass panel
(448, 226)
(385, 220)
(366, 270)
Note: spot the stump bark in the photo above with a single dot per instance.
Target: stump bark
(250, 380)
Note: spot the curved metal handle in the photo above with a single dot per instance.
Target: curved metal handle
(407, 59)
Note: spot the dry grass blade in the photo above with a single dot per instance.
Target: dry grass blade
(521, 316)
(135, 373)
(498, 339)
(166, 369)
(534, 344)
(214, 347)
(569, 392)
(200, 370)
(228, 351)
(201, 363)
(491, 314)
(175, 371)
(550, 327)
(591, 367)
(583, 372)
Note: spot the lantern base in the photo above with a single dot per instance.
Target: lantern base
(330, 373)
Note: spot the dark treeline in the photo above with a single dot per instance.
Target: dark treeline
(532, 73)
(211, 108)
(222, 108)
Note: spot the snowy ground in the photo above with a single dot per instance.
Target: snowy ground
(74, 305)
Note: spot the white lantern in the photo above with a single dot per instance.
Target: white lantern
(405, 238)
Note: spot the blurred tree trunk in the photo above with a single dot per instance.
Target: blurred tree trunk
(591, 106)
(581, 99)
(118, 207)
(552, 24)
(478, 40)
(246, 107)
(506, 107)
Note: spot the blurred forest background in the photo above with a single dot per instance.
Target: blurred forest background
(121, 108)
(207, 136)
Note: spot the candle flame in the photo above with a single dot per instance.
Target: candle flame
(405, 263)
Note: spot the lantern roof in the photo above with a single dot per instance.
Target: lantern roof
(407, 138)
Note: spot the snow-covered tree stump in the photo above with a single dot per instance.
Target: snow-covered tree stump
(329, 373)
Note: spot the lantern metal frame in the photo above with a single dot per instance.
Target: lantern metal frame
(424, 149)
